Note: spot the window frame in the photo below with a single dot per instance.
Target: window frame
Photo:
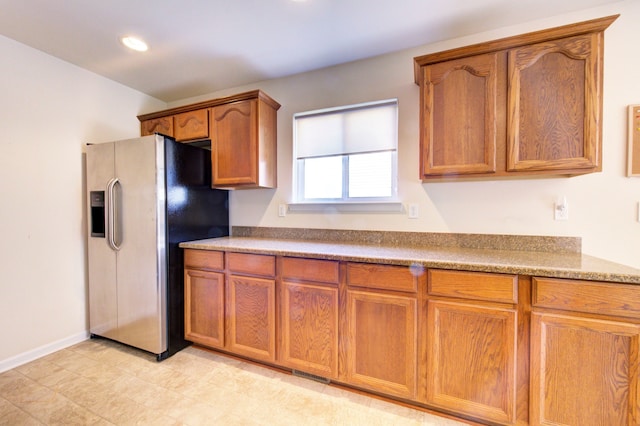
(298, 165)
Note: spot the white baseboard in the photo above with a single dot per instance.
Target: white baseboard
(25, 357)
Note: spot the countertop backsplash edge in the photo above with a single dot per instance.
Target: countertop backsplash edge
(548, 244)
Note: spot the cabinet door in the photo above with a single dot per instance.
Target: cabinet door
(381, 353)
(204, 307)
(310, 328)
(251, 316)
(471, 361)
(554, 105)
(234, 147)
(459, 115)
(192, 125)
(584, 371)
(162, 125)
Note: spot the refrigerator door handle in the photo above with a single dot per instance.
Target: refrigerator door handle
(111, 214)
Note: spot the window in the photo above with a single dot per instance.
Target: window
(347, 154)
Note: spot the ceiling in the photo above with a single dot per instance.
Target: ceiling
(202, 46)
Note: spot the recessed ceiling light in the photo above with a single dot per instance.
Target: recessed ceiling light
(135, 43)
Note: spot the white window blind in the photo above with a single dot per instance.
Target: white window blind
(347, 153)
(347, 130)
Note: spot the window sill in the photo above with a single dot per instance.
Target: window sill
(371, 207)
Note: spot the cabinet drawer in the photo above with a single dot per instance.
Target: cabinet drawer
(473, 285)
(587, 296)
(192, 125)
(252, 264)
(383, 277)
(204, 259)
(325, 271)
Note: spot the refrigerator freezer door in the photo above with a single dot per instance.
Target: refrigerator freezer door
(103, 309)
(141, 260)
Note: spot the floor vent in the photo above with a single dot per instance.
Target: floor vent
(310, 376)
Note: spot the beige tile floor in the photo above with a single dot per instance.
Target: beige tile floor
(99, 382)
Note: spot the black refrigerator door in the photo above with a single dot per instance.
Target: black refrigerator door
(194, 211)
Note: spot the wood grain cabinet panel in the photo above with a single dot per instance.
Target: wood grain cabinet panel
(252, 264)
(587, 296)
(471, 367)
(555, 104)
(204, 307)
(382, 354)
(584, 371)
(243, 144)
(207, 260)
(242, 129)
(310, 328)
(252, 317)
(315, 270)
(530, 104)
(162, 125)
(459, 115)
(309, 315)
(501, 288)
(233, 143)
(191, 125)
(382, 277)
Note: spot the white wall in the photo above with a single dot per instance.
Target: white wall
(48, 110)
(603, 206)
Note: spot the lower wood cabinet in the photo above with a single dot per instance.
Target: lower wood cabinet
(472, 344)
(252, 317)
(309, 312)
(204, 307)
(382, 340)
(230, 302)
(497, 348)
(382, 327)
(204, 297)
(585, 368)
(584, 371)
(251, 303)
(471, 362)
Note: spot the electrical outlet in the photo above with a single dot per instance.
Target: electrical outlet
(413, 211)
(282, 210)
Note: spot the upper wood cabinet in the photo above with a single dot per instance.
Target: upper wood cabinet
(459, 114)
(529, 104)
(191, 125)
(555, 105)
(243, 133)
(162, 125)
(243, 144)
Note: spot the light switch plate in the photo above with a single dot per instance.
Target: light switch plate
(561, 209)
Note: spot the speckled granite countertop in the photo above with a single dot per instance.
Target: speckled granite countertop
(537, 256)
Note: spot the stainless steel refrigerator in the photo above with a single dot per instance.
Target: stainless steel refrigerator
(145, 196)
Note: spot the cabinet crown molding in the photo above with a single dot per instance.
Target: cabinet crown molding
(591, 26)
(253, 94)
